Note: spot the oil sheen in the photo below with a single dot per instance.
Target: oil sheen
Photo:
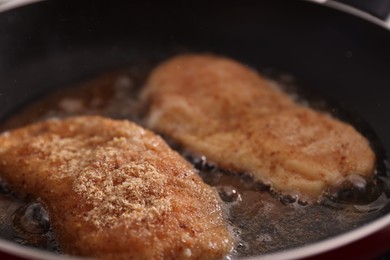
(261, 221)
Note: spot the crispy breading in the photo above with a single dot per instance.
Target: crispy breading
(114, 190)
(219, 108)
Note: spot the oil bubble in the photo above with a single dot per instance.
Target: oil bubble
(32, 218)
(229, 194)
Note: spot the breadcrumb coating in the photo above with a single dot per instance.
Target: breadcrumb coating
(114, 190)
(219, 108)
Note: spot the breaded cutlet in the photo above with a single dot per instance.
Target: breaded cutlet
(114, 190)
(219, 108)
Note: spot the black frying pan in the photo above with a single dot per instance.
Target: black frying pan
(345, 58)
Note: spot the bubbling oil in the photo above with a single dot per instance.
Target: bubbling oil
(261, 220)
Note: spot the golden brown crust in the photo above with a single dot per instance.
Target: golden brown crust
(219, 108)
(114, 190)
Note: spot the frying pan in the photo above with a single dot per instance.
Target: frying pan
(344, 57)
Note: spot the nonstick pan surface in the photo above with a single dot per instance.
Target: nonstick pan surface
(338, 56)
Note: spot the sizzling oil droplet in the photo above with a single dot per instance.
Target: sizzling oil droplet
(32, 218)
(229, 194)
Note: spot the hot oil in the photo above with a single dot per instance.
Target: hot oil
(261, 220)
(26, 223)
(265, 222)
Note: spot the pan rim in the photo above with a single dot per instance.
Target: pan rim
(310, 250)
(13, 4)
(353, 11)
(331, 243)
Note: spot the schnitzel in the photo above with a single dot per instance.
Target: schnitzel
(114, 190)
(216, 107)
